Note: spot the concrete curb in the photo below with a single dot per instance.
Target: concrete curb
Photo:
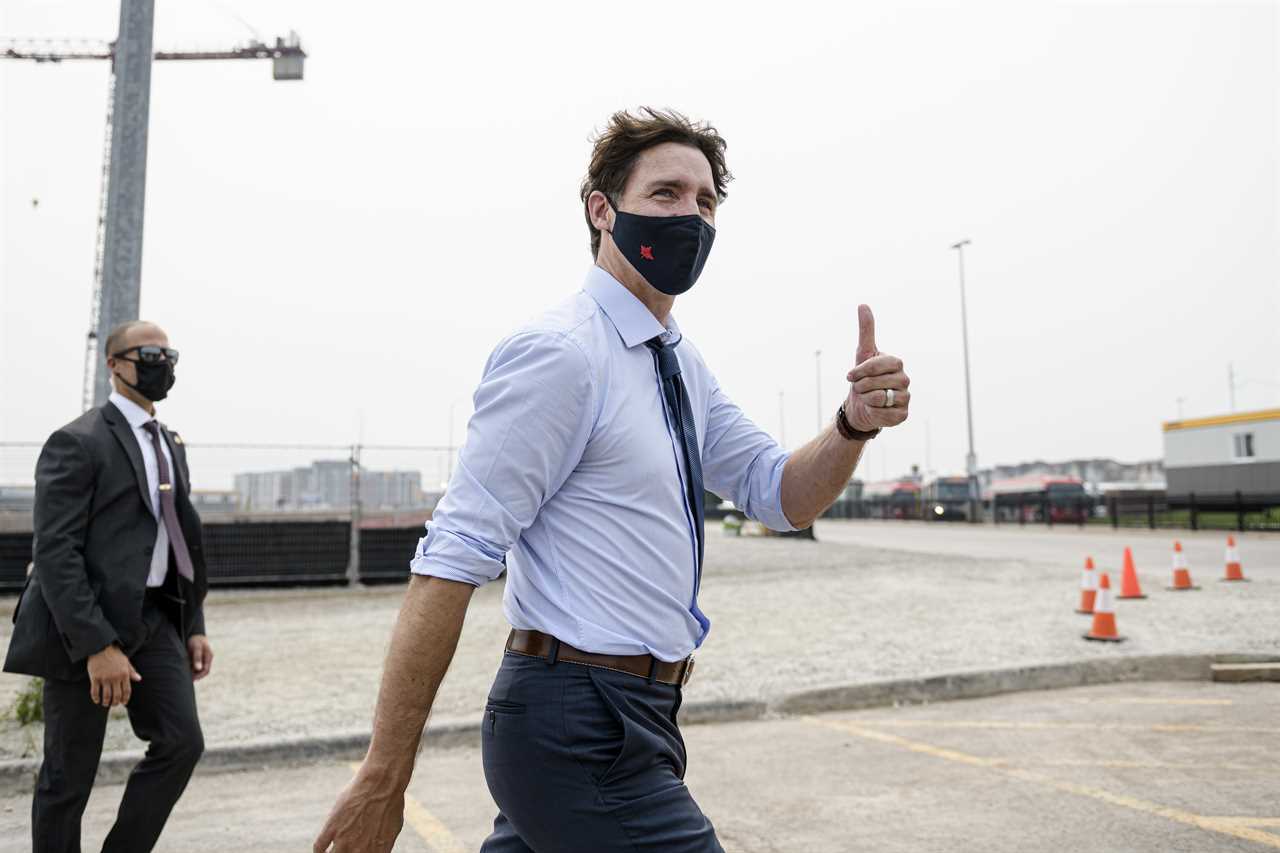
(972, 685)
(17, 776)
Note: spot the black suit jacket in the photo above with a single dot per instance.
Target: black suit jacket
(94, 538)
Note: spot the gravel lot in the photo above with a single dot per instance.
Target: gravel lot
(868, 601)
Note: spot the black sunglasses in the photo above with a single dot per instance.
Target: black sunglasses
(150, 355)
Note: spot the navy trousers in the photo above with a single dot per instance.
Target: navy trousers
(581, 759)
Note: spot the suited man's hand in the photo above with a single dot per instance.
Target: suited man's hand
(110, 677)
(201, 654)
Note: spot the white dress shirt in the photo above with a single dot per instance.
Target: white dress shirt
(572, 476)
(137, 416)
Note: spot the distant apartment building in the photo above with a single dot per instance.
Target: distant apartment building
(207, 501)
(327, 484)
(1092, 472)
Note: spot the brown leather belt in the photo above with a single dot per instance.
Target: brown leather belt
(536, 644)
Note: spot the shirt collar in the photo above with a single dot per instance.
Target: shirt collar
(634, 322)
(133, 413)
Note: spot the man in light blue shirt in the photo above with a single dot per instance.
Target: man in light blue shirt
(596, 429)
(571, 474)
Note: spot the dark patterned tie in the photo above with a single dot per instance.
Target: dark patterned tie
(169, 507)
(677, 398)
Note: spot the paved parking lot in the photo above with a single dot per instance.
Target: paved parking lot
(868, 601)
(1136, 767)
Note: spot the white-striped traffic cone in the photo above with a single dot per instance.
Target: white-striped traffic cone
(1181, 571)
(1088, 587)
(1104, 615)
(1234, 570)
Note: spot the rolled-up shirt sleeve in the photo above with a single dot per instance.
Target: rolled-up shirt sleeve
(533, 415)
(742, 462)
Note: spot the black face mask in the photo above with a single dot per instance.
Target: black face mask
(154, 379)
(669, 251)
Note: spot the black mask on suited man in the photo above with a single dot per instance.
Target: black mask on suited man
(154, 379)
(668, 251)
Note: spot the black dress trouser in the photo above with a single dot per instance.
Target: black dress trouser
(581, 759)
(162, 711)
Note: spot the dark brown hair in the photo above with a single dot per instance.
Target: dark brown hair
(618, 146)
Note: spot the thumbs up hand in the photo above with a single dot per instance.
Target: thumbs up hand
(878, 396)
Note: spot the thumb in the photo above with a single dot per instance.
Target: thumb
(133, 674)
(197, 657)
(866, 334)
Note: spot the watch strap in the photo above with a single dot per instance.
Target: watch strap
(847, 431)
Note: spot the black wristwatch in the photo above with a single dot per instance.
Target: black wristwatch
(846, 429)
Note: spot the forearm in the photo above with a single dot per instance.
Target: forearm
(422, 645)
(816, 474)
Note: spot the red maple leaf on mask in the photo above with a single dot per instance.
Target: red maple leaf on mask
(646, 252)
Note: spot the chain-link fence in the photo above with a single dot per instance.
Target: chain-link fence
(275, 513)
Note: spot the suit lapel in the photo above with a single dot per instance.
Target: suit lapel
(129, 443)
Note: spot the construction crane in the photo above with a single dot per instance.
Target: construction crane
(117, 264)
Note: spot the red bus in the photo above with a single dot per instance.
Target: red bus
(1038, 498)
(891, 499)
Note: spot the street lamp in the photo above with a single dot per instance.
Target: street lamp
(452, 405)
(817, 359)
(782, 419)
(971, 460)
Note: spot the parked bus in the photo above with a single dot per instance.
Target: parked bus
(945, 499)
(1029, 498)
(891, 499)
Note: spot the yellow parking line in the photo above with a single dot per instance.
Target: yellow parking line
(1141, 700)
(1180, 728)
(430, 829)
(1236, 827)
(1148, 765)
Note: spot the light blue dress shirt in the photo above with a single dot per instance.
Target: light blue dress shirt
(571, 474)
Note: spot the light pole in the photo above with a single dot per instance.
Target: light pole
(782, 419)
(817, 363)
(449, 476)
(971, 460)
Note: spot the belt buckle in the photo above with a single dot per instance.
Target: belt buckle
(688, 671)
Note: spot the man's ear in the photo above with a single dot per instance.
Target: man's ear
(601, 211)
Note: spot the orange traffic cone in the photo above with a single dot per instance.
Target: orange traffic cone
(1129, 587)
(1181, 571)
(1234, 572)
(1088, 587)
(1104, 615)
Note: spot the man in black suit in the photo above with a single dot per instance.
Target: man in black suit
(113, 611)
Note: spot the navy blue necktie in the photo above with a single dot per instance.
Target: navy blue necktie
(677, 398)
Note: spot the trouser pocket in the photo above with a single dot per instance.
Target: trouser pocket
(596, 725)
(500, 713)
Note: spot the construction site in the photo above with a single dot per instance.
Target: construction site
(974, 648)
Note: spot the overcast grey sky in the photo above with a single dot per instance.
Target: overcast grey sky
(349, 248)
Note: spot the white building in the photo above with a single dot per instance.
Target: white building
(1222, 455)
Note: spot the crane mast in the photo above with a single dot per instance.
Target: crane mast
(117, 258)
